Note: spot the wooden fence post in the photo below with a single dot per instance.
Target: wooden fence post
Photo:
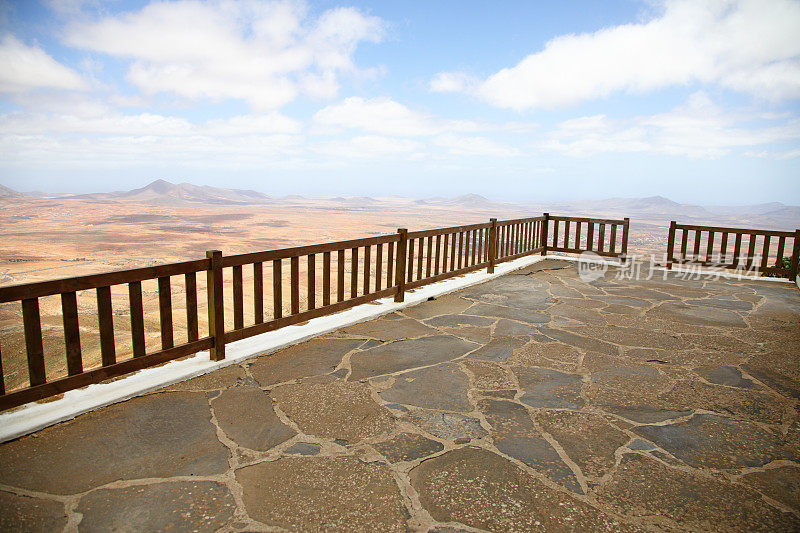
(492, 248)
(544, 233)
(216, 309)
(625, 238)
(670, 244)
(793, 269)
(400, 265)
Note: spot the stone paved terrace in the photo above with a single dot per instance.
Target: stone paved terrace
(531, 402)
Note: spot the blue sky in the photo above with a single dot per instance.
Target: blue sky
(696, 100)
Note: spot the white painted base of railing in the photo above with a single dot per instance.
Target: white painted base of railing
(35, 416)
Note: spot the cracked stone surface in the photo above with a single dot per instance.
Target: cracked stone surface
(482, 490)
(179, 506)
(644, 487)
(717, 442)
(323, 494)
(442, 387)
(160, 435)
(335, 410)
(311, 358)
(515, 435)
(407, 447)
(390, 330)
(25, 513)
(549, 388)
(247, 417)
(535, 401)
(407, 354)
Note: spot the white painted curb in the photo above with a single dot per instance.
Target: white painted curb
(35, 416)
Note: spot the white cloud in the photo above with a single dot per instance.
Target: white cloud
(469, 145)
(152, 125)
(452, 82)
(24, 67)
(386, 117)
(745, 45)
(266, 53)
(369, 146)
(698, 129)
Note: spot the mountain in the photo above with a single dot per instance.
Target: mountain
(465, 200)
(162, 192)
(6, 192)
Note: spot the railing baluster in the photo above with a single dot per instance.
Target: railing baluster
(601, 237)
(613, 238)
(779, 254)
(400, 274)
(238, 298)
(378, 266)
(367, 265)
(460, 249)
(33, 341)
(577, 235)
(410, 274)
(437, 264)
(710, 247)
(340, 276)
(556, 224)
(626, 226)
(390, 265)
(671, 244)
(105, 319)
(192, 326)
(326, 278)
(72, 336)
(723, 249)
(590, 237)
(312, 281)
(216, 303)
(474, 250)
(277, 286)
(684, 243)
(698, 236)
(353, 272)
(751, 251)
(421, 242)
(765, 253)
(428, 259)
(737, 250)
(258, 293)
(294, 285)
(137, 317)
(453, 252)
(165, 313)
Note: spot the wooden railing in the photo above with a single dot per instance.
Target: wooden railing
(735, 248)
(307, 282)
(605, 237)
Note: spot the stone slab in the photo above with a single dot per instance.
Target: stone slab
(406, 354)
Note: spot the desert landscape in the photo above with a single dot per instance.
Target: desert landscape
(50, 236)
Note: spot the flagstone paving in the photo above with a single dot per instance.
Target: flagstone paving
(533, 402)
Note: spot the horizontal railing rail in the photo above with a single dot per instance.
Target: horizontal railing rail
(734, 248)
(306, 282)
(604, 236)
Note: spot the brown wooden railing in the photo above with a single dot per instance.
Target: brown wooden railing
(605, 237)
(335, 276)
(735, 248)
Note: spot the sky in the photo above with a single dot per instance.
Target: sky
(695, 100)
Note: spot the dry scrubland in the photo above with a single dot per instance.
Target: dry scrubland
(47, 238)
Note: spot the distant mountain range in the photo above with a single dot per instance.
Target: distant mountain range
(162, 192)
